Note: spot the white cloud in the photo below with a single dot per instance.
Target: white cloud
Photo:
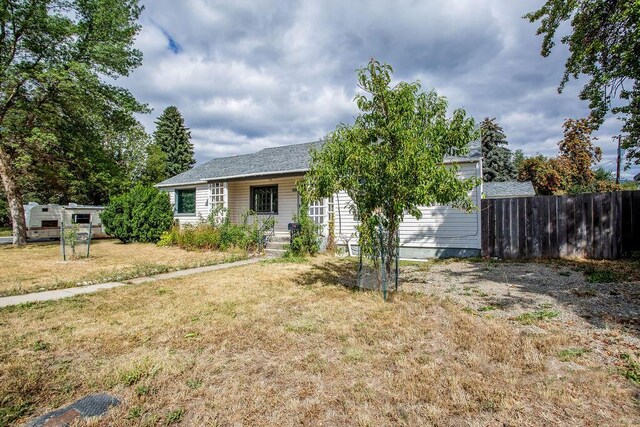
(252, 74)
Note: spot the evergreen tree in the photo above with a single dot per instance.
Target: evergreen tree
(518, 158)
(497, 164)
(173, 138)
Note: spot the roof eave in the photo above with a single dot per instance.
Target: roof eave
(224, 178)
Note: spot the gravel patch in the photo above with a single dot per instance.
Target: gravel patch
(537, 296)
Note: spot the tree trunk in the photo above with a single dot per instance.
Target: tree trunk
(8, 176)
(390, 256)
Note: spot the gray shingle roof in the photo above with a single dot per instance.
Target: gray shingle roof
(493, 190)
(268, 161)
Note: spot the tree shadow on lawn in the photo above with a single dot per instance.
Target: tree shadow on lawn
(520, 285)
(342, 272)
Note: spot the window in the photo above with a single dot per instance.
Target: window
(50, 223)
(264, 200)
(186, 201)
(81, 218)
(45, 209)
(217, 196)
(316, 211)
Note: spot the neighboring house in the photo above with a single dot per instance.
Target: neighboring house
(507, 189)
(265, 182)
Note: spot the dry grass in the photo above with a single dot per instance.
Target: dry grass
(39, 266)
(286, 344)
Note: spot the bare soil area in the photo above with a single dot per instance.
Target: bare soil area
(539, 296)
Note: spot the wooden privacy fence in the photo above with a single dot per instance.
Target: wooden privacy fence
(593, 225)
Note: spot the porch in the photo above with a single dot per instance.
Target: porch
(270, 196)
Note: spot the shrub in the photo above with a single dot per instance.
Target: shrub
(307, 240)
(141, 215)
(219, 233)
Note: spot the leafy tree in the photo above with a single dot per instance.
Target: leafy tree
(174, 138)
(55, 105)
(140, 215)
(548, 176)
(155, 169)
(497, 164)
(129, 150)
(571, 171)
(578, 148)
(391, 160)
(604, 43)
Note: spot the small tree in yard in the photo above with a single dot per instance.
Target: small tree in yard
(141, 215)
(391, 160)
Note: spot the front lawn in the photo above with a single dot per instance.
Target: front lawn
(39, 266)
(287, 344)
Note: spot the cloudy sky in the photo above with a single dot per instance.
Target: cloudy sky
(253, 74)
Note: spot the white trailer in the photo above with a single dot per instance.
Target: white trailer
(44, 221)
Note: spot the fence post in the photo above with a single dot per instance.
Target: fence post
(64, 252)
(89, 239)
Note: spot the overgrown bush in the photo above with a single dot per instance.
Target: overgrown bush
(141, 215)
(218, 233)
(306, 241)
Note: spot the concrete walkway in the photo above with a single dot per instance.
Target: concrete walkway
(69, 292)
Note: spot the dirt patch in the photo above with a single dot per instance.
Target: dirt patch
(535, 295)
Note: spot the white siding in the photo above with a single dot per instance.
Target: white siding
(239, 199)
(202, 203)
(439, 227)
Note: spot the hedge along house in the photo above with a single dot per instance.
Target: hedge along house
(265, 182)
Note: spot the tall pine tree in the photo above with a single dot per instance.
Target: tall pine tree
(174, 139)
(498, 163)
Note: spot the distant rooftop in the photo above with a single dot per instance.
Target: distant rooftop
(496, 190)
(268, 161)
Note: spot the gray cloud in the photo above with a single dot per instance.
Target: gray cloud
(253, 74)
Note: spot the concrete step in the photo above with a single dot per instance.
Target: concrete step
(274, 253)
(277, 245)
(280, 238)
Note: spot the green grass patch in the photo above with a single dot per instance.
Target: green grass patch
(138, 372)
(631, 368)
(569, 354)
(194, 383)
(489, 307)
(11, 411)
(175, 416)
(6, 232)
(41, 346)
(601, 276)
(536, 316)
